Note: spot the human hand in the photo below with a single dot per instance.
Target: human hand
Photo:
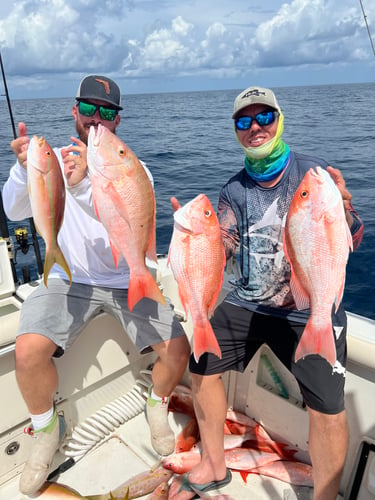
(75, 161)
(338, 179)
(20, 145)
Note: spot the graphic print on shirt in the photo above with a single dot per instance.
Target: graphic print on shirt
(267, 264)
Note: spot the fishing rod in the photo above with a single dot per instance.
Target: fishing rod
(367, 26)
(4, 231)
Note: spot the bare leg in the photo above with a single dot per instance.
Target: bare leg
(173, 356)
(36, 372)
(328, 444)
(211, 408)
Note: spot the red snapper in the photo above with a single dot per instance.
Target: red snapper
(197, 259)
(124, 201)
(317, 241)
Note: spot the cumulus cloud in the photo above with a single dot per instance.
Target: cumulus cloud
(143, 39)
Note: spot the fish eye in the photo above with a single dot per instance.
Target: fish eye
(304, 194)
(48, 153)
(121, 152)
(207, 213)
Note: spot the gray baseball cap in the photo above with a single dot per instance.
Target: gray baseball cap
(255, 95)
(100, 88)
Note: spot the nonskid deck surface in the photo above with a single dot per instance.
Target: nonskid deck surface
(128, 452)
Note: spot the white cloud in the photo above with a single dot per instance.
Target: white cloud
(148, 39)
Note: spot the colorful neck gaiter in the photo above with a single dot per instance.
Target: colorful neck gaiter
(267, 161)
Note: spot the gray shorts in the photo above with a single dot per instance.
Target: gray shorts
(61, 311)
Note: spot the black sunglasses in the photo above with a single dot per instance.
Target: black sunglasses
(263, 118)
(89, 109)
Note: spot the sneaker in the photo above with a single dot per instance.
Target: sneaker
(38, 466)
(162, 436)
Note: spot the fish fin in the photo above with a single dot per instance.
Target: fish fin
(314, 341)
(184, 301)
(340, 294)
(301, 298)
(244, 475)
(143, 285)
(115, 253)
(212, 305)
(349, 237)
(55, 256)
(151, 247)
(205, 341)
(96, 210)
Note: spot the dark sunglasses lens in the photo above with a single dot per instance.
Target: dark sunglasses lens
(86, 109)
(243, 122)
(107, 113)
(265, 118)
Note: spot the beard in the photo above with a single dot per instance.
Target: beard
(84, 129)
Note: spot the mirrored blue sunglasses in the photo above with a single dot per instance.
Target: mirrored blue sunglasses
(262, 119)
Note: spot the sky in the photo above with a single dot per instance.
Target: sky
(151, 46)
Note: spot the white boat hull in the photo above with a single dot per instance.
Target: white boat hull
(103, 366)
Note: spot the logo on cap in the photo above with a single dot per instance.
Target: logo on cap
(253, 92)
(105, 85)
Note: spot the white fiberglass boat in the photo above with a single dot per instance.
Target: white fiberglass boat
(102, 389)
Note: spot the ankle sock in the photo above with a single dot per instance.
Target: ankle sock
(44, 421)
(154, 398)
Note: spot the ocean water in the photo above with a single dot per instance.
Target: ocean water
(187, 141)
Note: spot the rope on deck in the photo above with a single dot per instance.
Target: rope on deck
(88, 434)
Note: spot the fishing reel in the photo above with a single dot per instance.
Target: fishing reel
(22, 239)
(22, 243)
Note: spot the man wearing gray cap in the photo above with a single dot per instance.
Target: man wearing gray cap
(252, 209)
(97, 285)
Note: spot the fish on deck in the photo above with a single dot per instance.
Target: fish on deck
(46, 189)
(316, 243)
(142, 484)
(197, 259)
(124, 202)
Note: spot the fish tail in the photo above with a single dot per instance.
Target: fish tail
(316, 340)
(143, 285)
(205, 341)
(55, 256)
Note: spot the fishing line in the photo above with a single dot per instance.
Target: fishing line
(4, 225)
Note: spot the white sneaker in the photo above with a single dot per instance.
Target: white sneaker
(162, 436)
(38, 466)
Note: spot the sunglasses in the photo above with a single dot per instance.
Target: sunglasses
(89, 109)
(262, 119)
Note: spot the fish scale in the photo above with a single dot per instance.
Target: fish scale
(317, 241)
(124, 201)
(197, 259)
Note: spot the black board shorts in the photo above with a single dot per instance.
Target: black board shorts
(240, 332)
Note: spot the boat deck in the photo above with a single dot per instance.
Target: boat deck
(127, 452)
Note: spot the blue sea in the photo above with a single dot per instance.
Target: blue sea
(187, 141)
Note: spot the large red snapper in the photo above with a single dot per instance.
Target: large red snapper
(124, 201)
(47, 197)
(317, 240)
(197, 260)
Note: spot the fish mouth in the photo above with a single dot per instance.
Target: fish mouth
(181, 228)
(95, 134)
(41, 141)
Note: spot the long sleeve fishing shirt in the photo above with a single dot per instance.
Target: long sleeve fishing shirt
(82, 238)
(252, 220)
